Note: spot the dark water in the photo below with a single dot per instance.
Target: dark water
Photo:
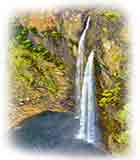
(51, 131)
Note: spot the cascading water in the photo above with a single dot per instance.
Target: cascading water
(86, 95)
(80, 66)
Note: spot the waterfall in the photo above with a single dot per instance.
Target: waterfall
(86, 95)
(79, 66)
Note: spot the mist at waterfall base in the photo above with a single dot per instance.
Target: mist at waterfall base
(86, 94)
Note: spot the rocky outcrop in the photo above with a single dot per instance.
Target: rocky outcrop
(57, 33)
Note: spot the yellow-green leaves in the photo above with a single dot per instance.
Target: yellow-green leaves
(122, 138)
(122, 114)
(110, 96)
(107, 93)
(113, 15)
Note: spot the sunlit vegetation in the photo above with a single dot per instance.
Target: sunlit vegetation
(42, 78)
(114, 113)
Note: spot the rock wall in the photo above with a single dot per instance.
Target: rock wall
(50, 41)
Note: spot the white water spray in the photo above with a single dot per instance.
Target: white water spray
(80, 65)
(86, 95)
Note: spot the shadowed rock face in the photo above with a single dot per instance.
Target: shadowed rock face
(51, 131)
(108, 35)
(60, 48)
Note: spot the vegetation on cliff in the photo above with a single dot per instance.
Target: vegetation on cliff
(43, 50)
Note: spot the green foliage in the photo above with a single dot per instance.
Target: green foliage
(28, 66)
(39, 48)
(122, 114)
(51, 85)
(98, 67)
(110, 96)
(122, 138)
(55, 34)
(112, 15)
(114, 116)
(21, 36)
(20, 33)
(121, 75)
(35, 67)
(27, 43)
(33, 30)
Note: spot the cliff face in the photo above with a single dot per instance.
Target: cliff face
(43, 50)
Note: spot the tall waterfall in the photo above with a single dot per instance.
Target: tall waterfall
(79, 65)
(86, 95)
